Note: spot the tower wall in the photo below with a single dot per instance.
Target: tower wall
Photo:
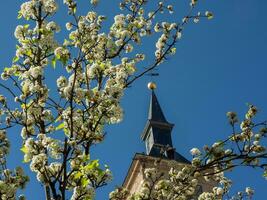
(141, 162)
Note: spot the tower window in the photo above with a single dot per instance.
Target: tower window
(149, 141)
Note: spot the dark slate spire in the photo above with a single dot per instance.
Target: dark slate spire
(157, 132)
(155, 113)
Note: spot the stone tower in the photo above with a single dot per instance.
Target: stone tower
(158, 142)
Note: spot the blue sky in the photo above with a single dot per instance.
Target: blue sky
(220, 66)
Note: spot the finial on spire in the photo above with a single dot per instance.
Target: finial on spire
(151, 85)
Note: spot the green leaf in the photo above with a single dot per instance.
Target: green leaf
(86, 158)
(28, 52)
(41, 30)
(26, 106)
(78, 175)
(58, 57)
(17, 74)
(6, 69)
(64, 61)
(59, 118)
(54, 62)
(60, 126)
(84, 182)
(26, 26)
(74, 10)
(24, 149)
(102, 66)
(19, 15)
(26, 161)
(209, 14)
(71, 37)
(92, 165)
(66, 132)
(25, 42)
(23, 106)
(15, 59)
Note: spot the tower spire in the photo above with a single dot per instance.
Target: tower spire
(157, 132)
(155, 112)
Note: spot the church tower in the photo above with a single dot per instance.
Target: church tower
(157, 133)
(157, 136)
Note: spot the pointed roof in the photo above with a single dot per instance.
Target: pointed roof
(161, 130)
(156, 117)
(155, 112)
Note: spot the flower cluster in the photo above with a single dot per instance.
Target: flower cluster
(11, 181)
(28, 9)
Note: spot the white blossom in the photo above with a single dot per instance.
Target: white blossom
(195, 152)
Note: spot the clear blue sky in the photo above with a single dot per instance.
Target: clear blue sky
(220, 66)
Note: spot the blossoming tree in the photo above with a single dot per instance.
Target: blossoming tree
(98, 67)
